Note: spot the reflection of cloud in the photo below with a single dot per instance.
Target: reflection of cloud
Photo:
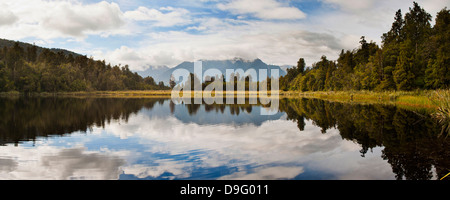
(47, 162)
(178, 169)
(7, 165)
(165, 147)
(276, 143)
(75, 163)
(270, 173)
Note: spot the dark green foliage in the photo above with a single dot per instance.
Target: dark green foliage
(437, 74)
(413, 55)
(292, 73)
(36, 69)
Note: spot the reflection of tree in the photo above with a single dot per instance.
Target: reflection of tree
(411, 141)
(27, 118)
(235, 109)
(192, 108)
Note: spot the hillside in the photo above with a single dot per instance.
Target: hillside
(28, 68)
(23, 45)
(414, 55)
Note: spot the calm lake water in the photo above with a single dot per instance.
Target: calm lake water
(108, 138)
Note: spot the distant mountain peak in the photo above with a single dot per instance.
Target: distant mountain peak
(238, 59)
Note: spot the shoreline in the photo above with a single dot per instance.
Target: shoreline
(419, 98)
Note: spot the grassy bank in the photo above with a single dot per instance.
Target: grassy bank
(112, 94)
(442, 114)
(419, 98)
(125, 94)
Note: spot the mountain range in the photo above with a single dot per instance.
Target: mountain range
(163, 73)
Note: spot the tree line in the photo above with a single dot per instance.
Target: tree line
(34, 69)
(413, 55)
(236, 81)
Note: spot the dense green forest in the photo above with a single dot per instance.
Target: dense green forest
(413, 55)
(27, 68)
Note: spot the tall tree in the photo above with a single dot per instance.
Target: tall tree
(395, 34)
(403, 73)
(301, 65)
(417, 25)
(438, 69)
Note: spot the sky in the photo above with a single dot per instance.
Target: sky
(168, 32)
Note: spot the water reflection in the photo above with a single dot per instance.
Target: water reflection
(411, 141)
(101, 138)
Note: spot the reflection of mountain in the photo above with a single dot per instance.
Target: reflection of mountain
(25, 119)
(226, 114)
(411, 141)
(213, 114)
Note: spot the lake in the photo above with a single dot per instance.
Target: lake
(150, 138)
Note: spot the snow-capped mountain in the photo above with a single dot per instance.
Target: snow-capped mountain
(164, 73)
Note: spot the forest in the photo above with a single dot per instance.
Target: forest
(29, 69)
(413, 55)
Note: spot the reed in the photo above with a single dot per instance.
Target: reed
(441, 98)
(419, 98)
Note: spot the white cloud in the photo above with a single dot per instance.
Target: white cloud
(276, 36)
(325, 32)
(263, 9)
(124, 56)
(63, 19)
(77, 19)
(352, 5)
(6, 16)
(164, 17)
(369, 17)
(364, 6)
(273, 42)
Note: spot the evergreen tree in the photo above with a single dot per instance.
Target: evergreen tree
(438, 69)
(417, 25)
(403, 75)
(395, 34)
(301, 65)
(413, 55)
(55, 70)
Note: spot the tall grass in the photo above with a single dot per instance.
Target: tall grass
(441, 98)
